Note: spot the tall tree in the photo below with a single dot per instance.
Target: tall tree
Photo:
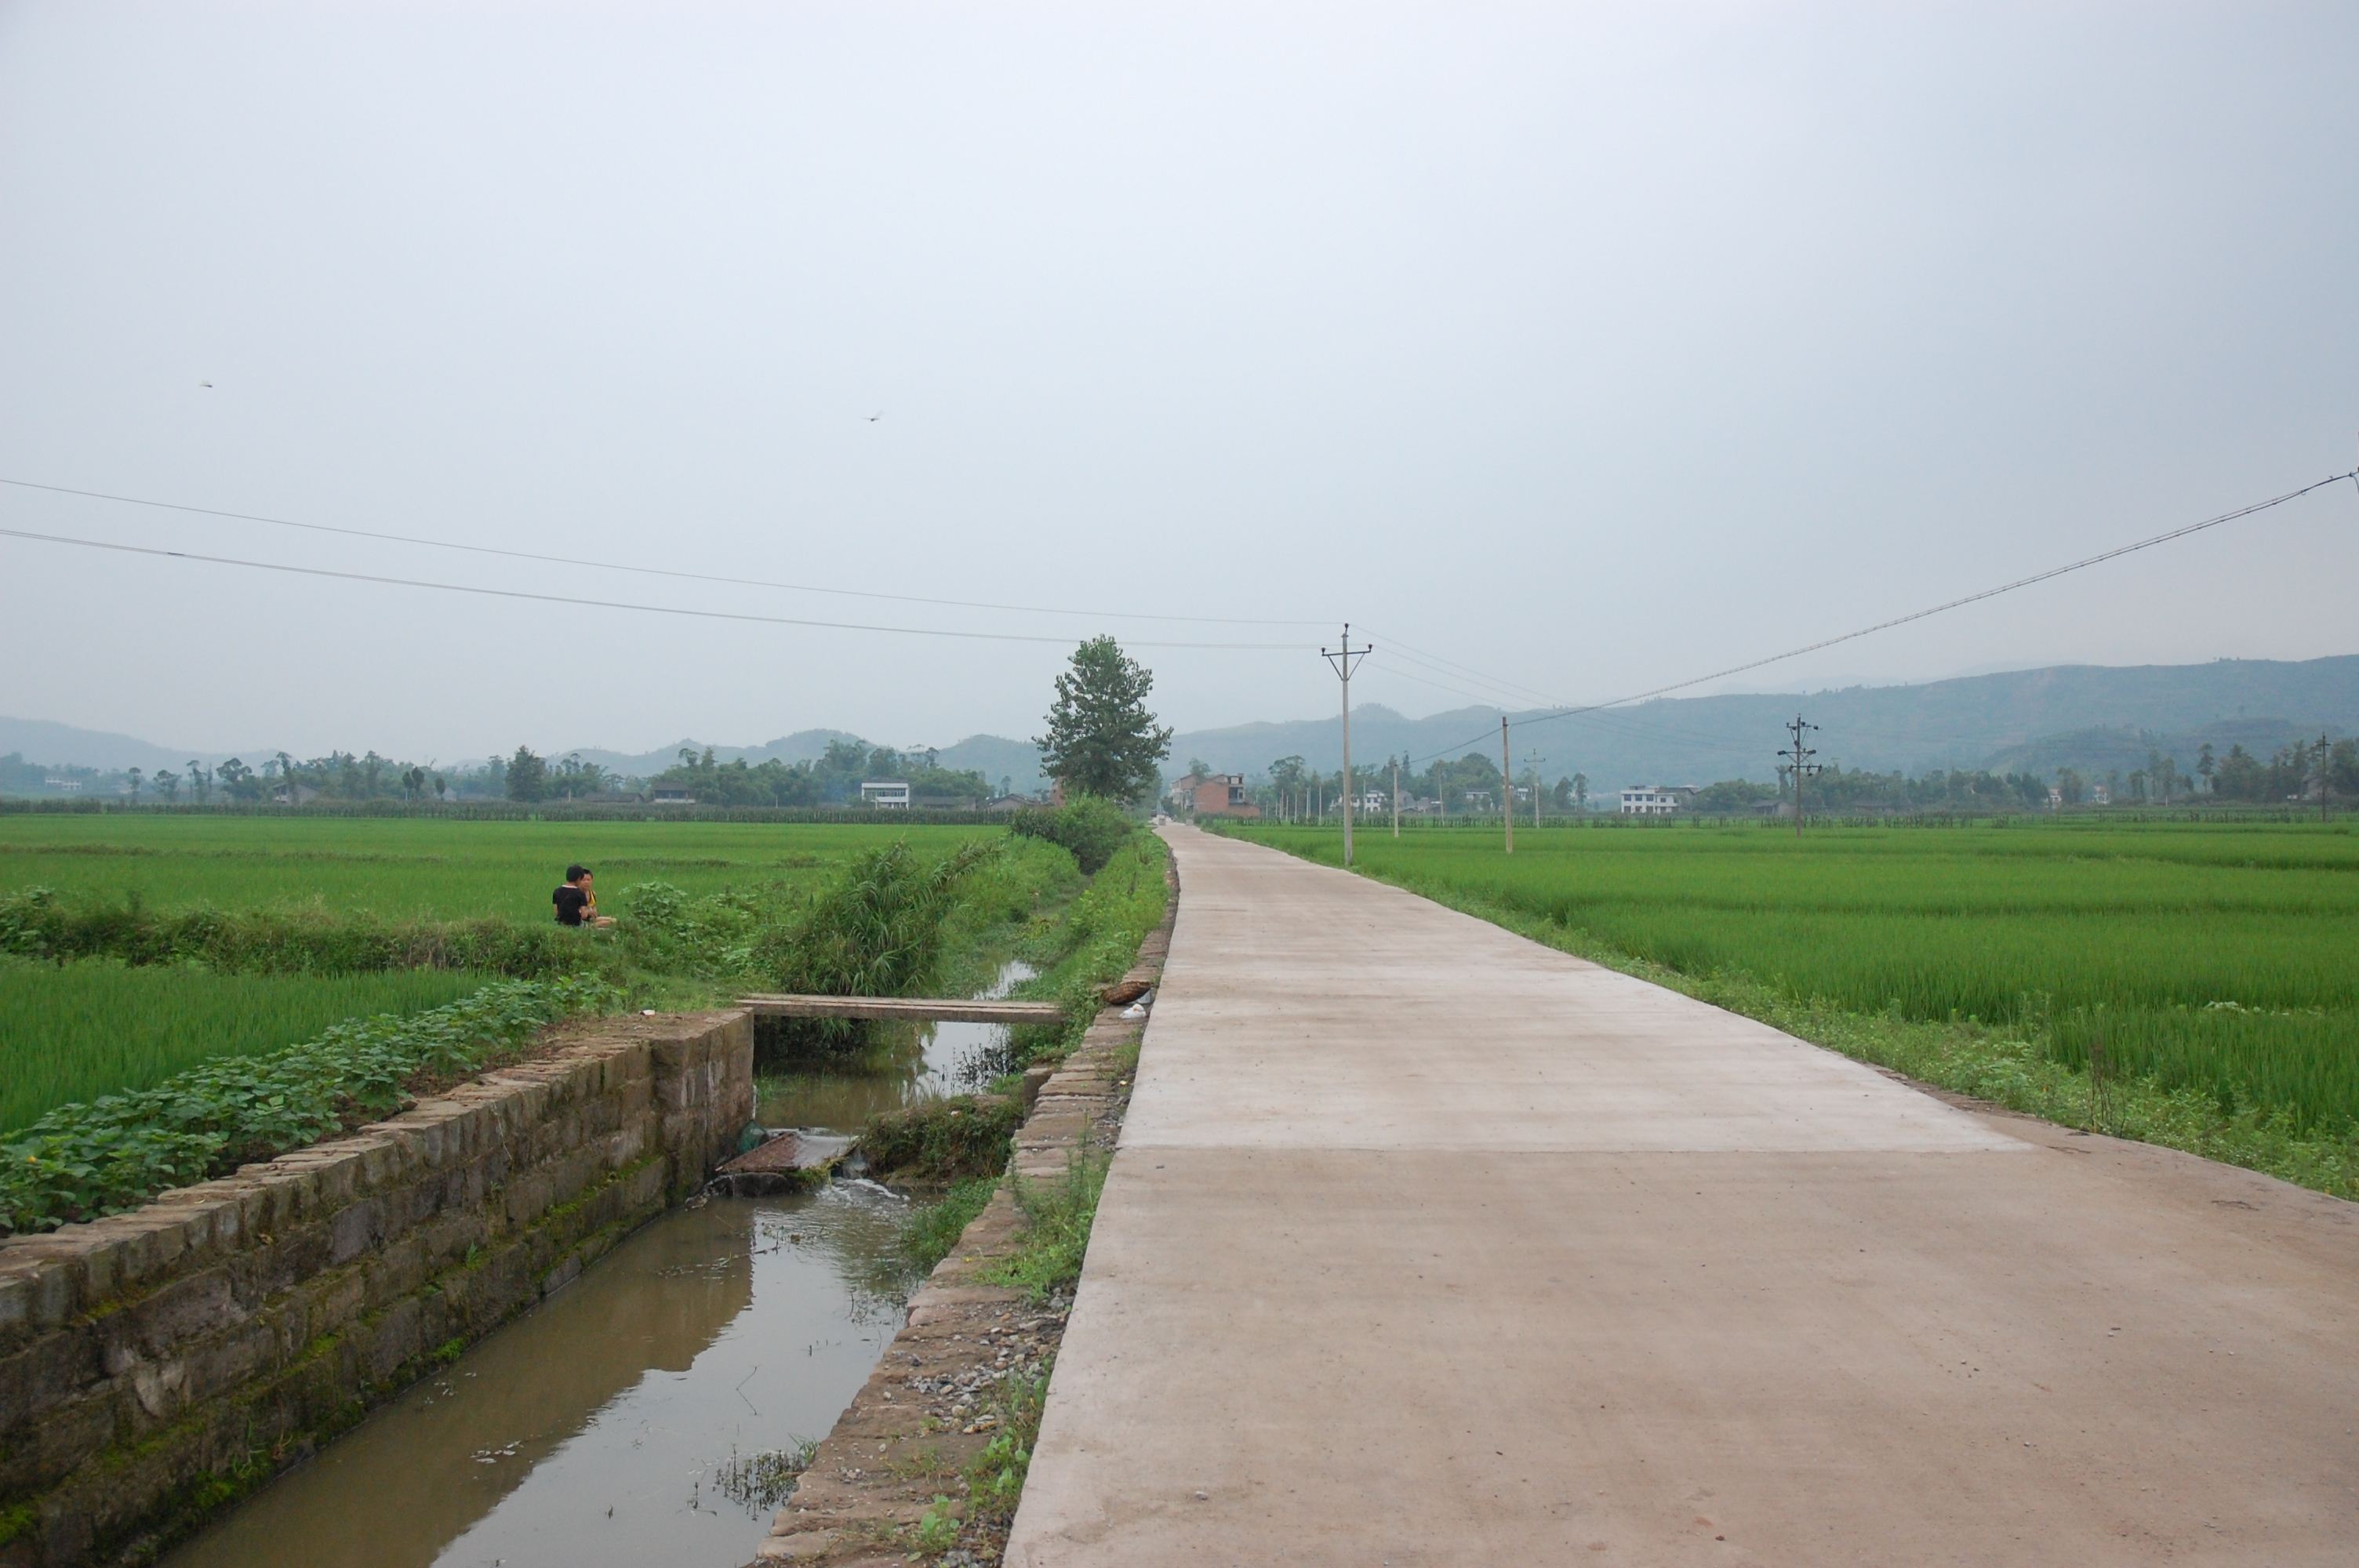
(1101, 740)
(527, 775)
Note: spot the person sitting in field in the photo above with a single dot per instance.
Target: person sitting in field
(576, 904)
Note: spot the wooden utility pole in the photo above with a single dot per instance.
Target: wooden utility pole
(1343, 658)
(1396, 798)
(1506, 782)
(1799, 756)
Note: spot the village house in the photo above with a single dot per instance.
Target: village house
(1210, 795)
(1656, 800)
(885, 795)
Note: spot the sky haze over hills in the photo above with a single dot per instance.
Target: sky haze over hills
(1566, 351)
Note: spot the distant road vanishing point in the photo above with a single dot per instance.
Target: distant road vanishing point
(1427, 1245)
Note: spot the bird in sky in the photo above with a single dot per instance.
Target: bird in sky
(206, 384)
(872, 418)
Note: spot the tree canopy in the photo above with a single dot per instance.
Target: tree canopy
(1102, 740)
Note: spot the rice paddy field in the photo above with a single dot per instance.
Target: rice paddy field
(2214, 960)
(77, 1030)
(410, 867)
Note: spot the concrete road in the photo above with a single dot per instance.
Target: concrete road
(1427, 1245)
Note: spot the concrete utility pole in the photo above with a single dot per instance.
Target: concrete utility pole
(1396, 798)
(1799, 756)
(1506, 782)
(2325, 772)
(1343, 658)
(1532, 765)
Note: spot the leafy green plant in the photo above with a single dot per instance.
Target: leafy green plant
(1093, 829)
(937, 1530)
(994, 1477)
(946, 1140)
(1096, 942)
(86, 1160)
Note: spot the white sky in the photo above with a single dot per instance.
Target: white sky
(1594, 347)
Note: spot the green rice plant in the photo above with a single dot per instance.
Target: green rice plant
(422, 868)
(77, 1030)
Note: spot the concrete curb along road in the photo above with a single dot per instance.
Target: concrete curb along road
(903, 1439)
(1428, 1245)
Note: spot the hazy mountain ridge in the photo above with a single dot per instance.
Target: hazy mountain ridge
(2085, 716)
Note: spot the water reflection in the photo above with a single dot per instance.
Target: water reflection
(942, 1059)
(586, 1431)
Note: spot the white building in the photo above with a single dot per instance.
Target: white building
(885, 795)
(1656, 800)
(1373, 802)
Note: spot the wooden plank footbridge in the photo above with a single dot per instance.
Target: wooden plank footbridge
(922, 1009)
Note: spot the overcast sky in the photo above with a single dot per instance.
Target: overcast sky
(1588, 347)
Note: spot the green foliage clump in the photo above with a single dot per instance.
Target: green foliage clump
(83, 1160)
(1095, 943)
(934, 1227)
(1056, 1234)
(1091, 829)
(949, 1140)
(877, 930)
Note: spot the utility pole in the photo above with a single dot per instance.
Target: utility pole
(1532, 766)
(2325, 772)
(1343, 658)
(1396, 798)
(1506, 782)
(1799, 756)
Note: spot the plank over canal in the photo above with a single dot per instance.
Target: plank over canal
(943, 1010)
(1426, 1245)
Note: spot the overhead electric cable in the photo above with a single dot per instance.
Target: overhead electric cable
(651, 571)
(2114, 553)
(602, 603)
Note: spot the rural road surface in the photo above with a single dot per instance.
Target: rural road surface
(1427, 1245)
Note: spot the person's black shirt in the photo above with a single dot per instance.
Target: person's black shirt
(570, 901)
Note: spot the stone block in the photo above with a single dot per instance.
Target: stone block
(353, 1231)
(171, 1315)
(394, 1340)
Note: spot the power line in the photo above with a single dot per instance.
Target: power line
(2101, 557)
(602, 603)
(646, 570)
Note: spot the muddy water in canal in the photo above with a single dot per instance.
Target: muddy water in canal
(601, 1427)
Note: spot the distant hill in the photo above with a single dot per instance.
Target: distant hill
(990, 756)
(2083, 715)
(52, 745)
(802, 746)
(2091, 717)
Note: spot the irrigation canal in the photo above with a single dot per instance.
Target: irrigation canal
(602, 1427)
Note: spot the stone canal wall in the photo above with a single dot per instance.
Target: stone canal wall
(157, 1363)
